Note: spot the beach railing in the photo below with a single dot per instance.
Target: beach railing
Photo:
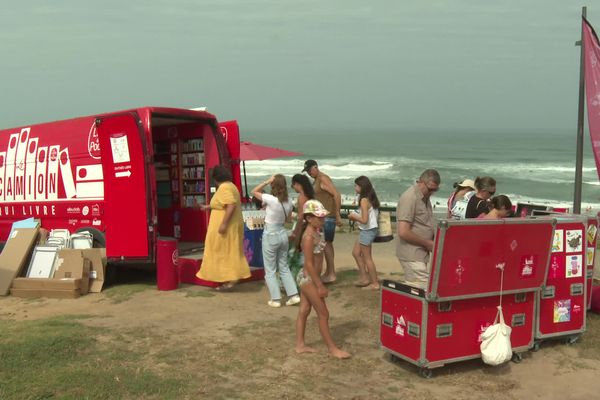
(347, 208)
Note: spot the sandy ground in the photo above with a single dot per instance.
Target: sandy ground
(242, 318)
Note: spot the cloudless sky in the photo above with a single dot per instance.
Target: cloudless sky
(301, 65)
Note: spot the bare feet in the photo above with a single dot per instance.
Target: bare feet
(361, 284)
(371, 286)
(305, 349)
(341, 354)
(328, 279)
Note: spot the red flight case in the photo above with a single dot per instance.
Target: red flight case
(443, 324)
(561, 304)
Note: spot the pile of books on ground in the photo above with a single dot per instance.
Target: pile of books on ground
(36, 262)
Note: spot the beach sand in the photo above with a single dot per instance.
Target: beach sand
(232, 345)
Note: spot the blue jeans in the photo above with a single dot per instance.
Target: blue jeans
(275, 246)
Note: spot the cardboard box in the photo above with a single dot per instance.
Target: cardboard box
(97, 258)
(46, 284)
(15, 255)
(52, 293)
(46, 287)
(70, 263)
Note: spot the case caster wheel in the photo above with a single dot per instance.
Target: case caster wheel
(571, 340)
(536, 346)
(426, 373)
(516, 358)
(393, 358)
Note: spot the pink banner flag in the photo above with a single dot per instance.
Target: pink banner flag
(592, 86)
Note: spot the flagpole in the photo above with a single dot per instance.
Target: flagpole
(580, 112)
(245, 181)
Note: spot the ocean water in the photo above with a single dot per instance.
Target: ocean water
(534, 168)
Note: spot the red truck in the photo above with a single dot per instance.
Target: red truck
(127, 176)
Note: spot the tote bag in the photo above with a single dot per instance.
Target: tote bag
(495, 345)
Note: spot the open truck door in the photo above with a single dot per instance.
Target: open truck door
(122, 147)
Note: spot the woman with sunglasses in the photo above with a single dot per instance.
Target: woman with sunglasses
(478, 204)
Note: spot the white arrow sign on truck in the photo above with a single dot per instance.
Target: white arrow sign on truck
(126, 174)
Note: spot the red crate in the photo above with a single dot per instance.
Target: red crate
(470, 261)
(432, 334)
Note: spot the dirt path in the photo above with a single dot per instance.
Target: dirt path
(234, 346)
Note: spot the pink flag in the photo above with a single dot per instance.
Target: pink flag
(592, 86)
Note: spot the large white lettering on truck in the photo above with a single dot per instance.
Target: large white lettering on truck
(38, 169)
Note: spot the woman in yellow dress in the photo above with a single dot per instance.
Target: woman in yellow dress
(224, 259)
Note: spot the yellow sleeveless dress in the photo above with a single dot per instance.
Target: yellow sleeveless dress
(224, 258)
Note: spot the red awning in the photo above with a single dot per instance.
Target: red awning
(251, 151)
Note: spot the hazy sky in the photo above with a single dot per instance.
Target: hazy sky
(299, 65)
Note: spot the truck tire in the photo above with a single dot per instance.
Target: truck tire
(99, 238)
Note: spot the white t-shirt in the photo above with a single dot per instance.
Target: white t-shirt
(274, 210)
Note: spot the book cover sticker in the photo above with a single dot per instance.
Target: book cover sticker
(562, 311)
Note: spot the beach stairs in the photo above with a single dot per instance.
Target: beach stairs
(190, 264)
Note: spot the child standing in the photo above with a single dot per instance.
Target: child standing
(366, 217)
(312, 289)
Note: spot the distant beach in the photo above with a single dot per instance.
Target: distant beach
(536, 168)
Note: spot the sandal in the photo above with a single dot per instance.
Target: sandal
(226, 287)
(361, 284)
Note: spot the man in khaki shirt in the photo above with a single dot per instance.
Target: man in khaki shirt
(416, 228)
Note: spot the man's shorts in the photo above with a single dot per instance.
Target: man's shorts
(329, 229)
(416, 273)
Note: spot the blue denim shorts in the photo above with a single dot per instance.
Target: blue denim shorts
(329, 229)
(366, 236)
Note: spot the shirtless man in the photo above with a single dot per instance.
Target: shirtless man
(328, 195)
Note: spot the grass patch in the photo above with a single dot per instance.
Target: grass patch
(198, 292)
(62, 358)
(346, 277)
(124, 292)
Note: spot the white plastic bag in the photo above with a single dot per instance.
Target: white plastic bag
(495, 345)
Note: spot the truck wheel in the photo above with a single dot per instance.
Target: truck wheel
(99, 238)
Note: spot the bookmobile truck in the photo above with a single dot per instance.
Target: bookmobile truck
(126, 177)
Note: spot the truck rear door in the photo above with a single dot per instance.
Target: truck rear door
(126, 195)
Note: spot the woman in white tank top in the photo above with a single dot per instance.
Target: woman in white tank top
(366, 218)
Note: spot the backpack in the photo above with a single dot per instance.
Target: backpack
(459, 211)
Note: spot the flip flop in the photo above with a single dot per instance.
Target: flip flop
(328, 281)
(361, 284)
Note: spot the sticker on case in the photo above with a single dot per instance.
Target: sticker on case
(400, 326)
(459, 271)
(554, 266)
(557, 242)
(528, 264)
(589, 256)
(574, 266)
(591, 233)
(562, 311)
(574, 242)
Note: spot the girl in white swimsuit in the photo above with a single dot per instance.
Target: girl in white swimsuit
(313, 291)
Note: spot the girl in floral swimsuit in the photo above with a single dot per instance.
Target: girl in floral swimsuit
(313, 291)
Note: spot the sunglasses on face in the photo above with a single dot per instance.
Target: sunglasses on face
(491, 192)
(432, 190)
